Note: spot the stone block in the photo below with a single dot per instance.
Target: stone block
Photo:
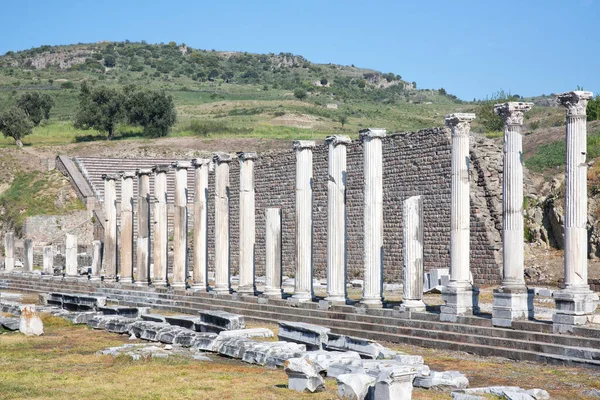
(221, 320)
(248, 333)
(322, 359)
(122, 311)
(354, 386)
(313, 336)
(185, 321)
(119, 324)
(10, 323)
(201, 340)
(99, 321)
(153, 317)
(365, 347)
(147, 330)
(394, 383)
(30, 323)
(168, 334)
(81, 318)
(303, 376)
(446, 379)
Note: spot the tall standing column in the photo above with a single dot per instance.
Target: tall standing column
(96, 260)
(200, 281)
(273, 253)
(9, 251)
(576, 301)
(336, 219)
(28, 255)
(303, 290)
(511, 299)
(143, 224)
(71, 256)
(48, 260)
(222, 161)
(126, 237)
(247, 223)
(180, 236)
(412, 254)
(110, 230)
(458, 295)
(373, 216)
(161, 230)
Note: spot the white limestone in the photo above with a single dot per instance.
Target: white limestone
(222, 161)
(48, 260)
(336, 219)
(412, 253)
(143, 225)
(110, 229)
(354, 386)
(304, 220)
(71, 255)
(458, 295)
(247, 223)
(30, 323)
(126, 236)
(180, 225)
(9, 251)
(200, 274)
(373, 216)
(28, 255)
(303, 376)
(96, 260)
(273, 253)
(394, 383)
(161, 230)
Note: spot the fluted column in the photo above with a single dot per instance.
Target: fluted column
(511, 299)
(458, 295)
(222, 161)
(71, 269)
(336, 219)
(126, 237)
(373, 216)
(142, 254)
(304, 220)
(180, 225)
(9, 251)
(576, 301)
(110, 230)
(247, 223)
(96, 260)
(48, 260)
(161, 229)
(273, 253)
(28, 256)
(412, 253)
(200, 281)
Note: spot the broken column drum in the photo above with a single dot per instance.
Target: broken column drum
(110, 230)
(143, 224)
(180, 225)
(222, 161)
(71, 255)
(458, 295)
(161, 229)
(126, 237)
(336, 218)
(199, 280)
(511, 299)
(373, 216)
(247, 223)
(9, 251)
(412, 253)
(28, 255)
(576, 301)
(303, 290)
(273, 253)
(48, 260)
(96, 260)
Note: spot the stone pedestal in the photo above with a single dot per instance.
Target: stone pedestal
(576, 301)
(373, 217)
(71, 255)
(96, 260)
(511, 300)
(412, 252)
(28, 256)
(110, 229)
(126, 237)
(9, 251)
(336, 219)
(200, 274)
(161, 229)
(222, 161)
(180, 225)
(395, 384)
(303, 290)
(48, 260)
(273, 253)
(247, 224)
(459, 293)
(142, 254)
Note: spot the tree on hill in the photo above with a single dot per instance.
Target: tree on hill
(343, 119)
(100, 108)
(300, 94)
(491, 121)
(15, 123)
(110, 61)
(36, 106)
(593, 109)
(152, 109)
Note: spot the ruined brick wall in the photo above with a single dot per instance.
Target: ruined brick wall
(51, 229)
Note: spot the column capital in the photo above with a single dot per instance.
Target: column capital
(161, 169)
(337, 139)
(143, 171)
(182, 164)
(111, 177)
(575, 102)
(303, 144)
(219, 158)
(459, 123)
(512, 112)
(198, 162)
(127, 174)
(371, 133)
(247, 155)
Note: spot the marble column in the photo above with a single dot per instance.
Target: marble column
(9, 251)
(412, 254)
(96, 260)
(71, 255)
(126, 236)
(142, 253)
(222, 161)
(110, 229)
(512, 300)
(273, 253)
(247, 223)
(180, 236)
(576, 302)
(28, 255)
(336, 219)
(161, 229)
(458, 294)
(373, 217)
(200, 274)
(48, 260)
(303, 290)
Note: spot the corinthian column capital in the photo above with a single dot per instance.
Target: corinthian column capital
(512, 112)
(575, 102)
(459, 123)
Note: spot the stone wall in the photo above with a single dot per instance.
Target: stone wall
(51, 229)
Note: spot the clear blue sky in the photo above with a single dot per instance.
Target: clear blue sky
(471, 48)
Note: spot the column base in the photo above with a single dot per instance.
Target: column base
(160, 282)
(178, 285)
(336, 299)
(573, 306)
(95, 278)
(247, 289)
(512, 304)
(124, 280)
(462, 299)
(371, 302)
(221, 290)
(413, 306)
(273, 293)
(302, 296)
(199, 287)
(141, 283)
